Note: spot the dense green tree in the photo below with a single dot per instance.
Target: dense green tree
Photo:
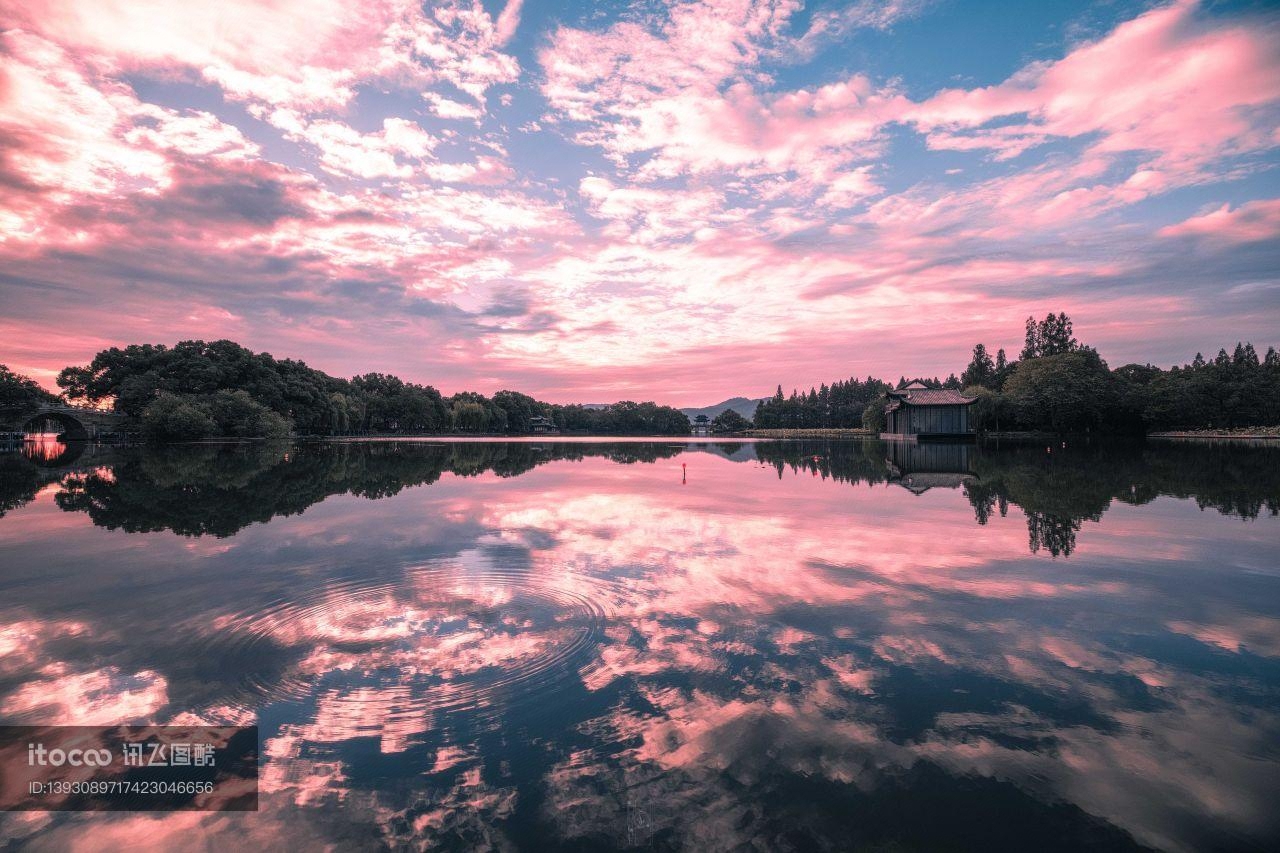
(226, 414)
(18, 392)
(520, 409)
(134, 376)
(1233, 390)
(873, 416)
(991, 410)
(624, 418)
(1070, 391)
(730, 421)
(172, 417)
(838, 405)
(391, 405)
(1229, 391)
(238, 415)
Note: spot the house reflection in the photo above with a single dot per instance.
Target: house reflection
(920, 467)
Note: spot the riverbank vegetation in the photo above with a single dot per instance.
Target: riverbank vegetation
(1057, 384)
(1061, 385)
(198, 390)
(19, 393)
(830, 432)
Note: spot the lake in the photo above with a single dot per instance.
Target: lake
(556, 644)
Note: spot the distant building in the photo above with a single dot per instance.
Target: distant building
(539, 425)
(702, 425)
(917, 412)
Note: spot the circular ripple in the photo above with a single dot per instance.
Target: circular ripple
(440, 640)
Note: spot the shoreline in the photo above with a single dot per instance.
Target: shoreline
(830, 432)
(1248, 433)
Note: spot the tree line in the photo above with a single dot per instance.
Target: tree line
(221, 389)
(1061, 385)
(199, 389)
(838, 405)
(19, 393)
(1058, 384)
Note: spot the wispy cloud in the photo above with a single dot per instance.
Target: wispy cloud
(677, 200)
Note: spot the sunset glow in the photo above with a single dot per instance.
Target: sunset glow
(676, 201)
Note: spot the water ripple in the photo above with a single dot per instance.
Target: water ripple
(442, 639)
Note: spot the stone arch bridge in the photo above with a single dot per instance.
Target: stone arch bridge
(78, 423)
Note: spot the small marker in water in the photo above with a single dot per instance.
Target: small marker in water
(684, 473)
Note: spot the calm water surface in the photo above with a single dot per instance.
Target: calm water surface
(576, 645)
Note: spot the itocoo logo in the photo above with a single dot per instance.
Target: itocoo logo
(38, 755)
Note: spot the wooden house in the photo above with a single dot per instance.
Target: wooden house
(917, 412)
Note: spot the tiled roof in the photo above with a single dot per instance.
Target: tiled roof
(932, 397)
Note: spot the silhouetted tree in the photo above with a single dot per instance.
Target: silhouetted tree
(1051, 336)
(18, 392)
(981, 369)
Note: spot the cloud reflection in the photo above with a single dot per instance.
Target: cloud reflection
(593, 653)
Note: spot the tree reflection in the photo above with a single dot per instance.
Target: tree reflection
(194, 490)
(219, 489)
(1060, 487)
(19, 482)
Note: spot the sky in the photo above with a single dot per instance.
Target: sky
(679, 201)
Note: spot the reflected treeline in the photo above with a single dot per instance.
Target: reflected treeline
(19, 481)
(845, 461)
(219, 489)
(1057, 487)
(1061, 486)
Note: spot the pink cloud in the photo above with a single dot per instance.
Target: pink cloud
(737, 211)
(1247, 223)
(1165, 83)
(388, 153)
(303, 55)
(507, 21)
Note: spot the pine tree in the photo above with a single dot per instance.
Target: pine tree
(1051, 336)
(1031, 345)
(981, 370)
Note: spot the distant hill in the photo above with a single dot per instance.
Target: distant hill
(741, 405)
